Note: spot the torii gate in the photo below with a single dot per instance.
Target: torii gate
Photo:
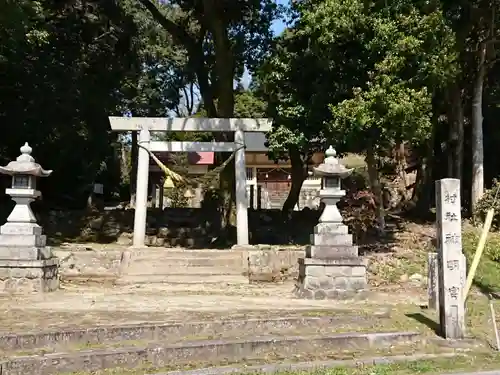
(146, 125)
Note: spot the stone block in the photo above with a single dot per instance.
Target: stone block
(24, 229)
(320, 294)
(341, 278)
(21, 276)
(357, 283)
(331, 252)
(25, 253)
(9, 240)
(273, 265)
(341, 261)
(339, 271)
(329, 228)
(332, 239)
(316, 271)
(326, 282)
(358, 271)
(311, 283)
(341, 283)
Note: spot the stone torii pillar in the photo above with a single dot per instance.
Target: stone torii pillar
(141, 194)
(146, 125)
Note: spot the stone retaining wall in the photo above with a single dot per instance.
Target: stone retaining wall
(274, 265)
(173, 227)
(264, 263)
(77, 261)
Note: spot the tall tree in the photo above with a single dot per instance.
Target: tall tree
(62, 64)
(477, 30)
(360, 74)
(220, 39)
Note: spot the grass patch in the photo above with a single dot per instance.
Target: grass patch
(487, 277)
(481, 362)
(411, 258)
(468, 362)
(391, 269)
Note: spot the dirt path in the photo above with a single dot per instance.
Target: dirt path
(79, 305)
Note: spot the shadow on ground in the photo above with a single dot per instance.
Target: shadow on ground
(423, 319)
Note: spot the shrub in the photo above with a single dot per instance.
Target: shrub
(470, 240)
(176, 196)
(358, 211)
(490, 199)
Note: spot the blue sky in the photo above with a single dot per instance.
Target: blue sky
(279, 26)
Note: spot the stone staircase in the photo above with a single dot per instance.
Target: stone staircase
(240, 344)
(167, 266)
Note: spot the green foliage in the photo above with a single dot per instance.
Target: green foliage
(490, 200)
(470, 240)
(248, 105)
(62, 65)
(359, 214)
(354, 72)
(385, 112)
(218, 39)
(406, 54)
(156, 87)
(176, 196)
(488, 271)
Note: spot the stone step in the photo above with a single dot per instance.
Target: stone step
(223, 327)
(166, 253)
(180, 261)
(312, 366)
(168, 269)
(205, 352)
(182, 279)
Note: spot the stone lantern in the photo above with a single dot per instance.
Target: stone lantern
(331, 268)
(26, 263)
(331, 172)
(24, 172)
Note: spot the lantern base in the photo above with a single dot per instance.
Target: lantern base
(331, 251)
(23, 241)
(336, 279)
(29, 276)
(25, 252)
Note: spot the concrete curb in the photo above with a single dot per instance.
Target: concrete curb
(158, 331)
(159, 355)
(304, 366)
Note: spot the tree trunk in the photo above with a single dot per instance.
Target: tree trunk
(224, 69)
(376, 188)
(224, 92)
(299, 174)
(456, 134)
(401, 155)
(215, 87)
(133, 168)
(423, 192)
(477, 129)
(430, 156)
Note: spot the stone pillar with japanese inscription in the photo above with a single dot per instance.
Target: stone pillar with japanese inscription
(451, 260)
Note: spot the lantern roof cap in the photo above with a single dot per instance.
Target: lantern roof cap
(25, 164)
(331, 166)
